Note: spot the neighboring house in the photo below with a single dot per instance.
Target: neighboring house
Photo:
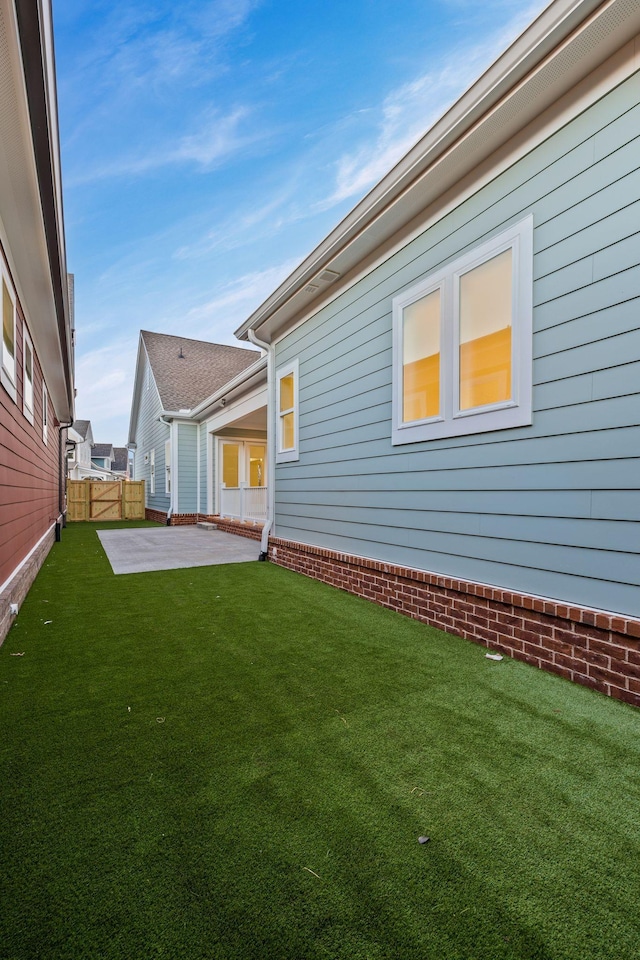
(36, 364)
(79, 444)
(120, 462)
(455, 369)
(102, 456)
(94, 461)
(180, 431)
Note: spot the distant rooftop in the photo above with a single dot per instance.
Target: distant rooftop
(81, 427)
(120, 459)
(101, 450)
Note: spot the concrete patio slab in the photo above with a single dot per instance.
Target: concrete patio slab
(143, 549)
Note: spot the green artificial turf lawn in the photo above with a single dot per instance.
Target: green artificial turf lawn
(237, 762)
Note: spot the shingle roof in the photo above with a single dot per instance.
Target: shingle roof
(188, 371)
(101, 450)
(81, 427)
(120, 459)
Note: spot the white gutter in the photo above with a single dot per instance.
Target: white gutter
(271, 446)
(567, 31)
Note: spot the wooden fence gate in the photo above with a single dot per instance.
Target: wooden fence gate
(105, 500)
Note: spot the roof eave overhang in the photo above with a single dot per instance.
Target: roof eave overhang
(567, 41)
(32, 213)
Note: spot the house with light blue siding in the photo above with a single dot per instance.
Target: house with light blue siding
(196, 407)
(454, 372)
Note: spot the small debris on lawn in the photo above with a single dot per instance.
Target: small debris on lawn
(47, 621)
(493, 656)
(129, 709)
(423, 839)
(18, 654)
(313, 872)
(159, 719)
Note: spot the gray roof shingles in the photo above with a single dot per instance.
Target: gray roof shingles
(188, 371)
(101, 450)
(81, 427)
(120, 459)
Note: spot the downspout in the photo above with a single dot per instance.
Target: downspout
(62, 470)
(169, 423)
(271, 445)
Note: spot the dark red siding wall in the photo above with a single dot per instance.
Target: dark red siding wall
(29, 486)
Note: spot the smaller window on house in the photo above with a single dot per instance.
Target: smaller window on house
(8, 366)
(287, 412)
(152, 472)
(463, 343)
(27, 376)
(45, 412)
(167, 467)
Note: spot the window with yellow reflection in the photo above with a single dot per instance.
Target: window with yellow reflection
(287, 412)
(8, 365)
(421, 358)
(485, 333)
(257, 461)
(462, 343)
(231, 464)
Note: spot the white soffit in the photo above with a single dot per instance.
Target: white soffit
(22, 228)
(566, 43)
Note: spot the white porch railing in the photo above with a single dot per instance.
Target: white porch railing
(244, 503)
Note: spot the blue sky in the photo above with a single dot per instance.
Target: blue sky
(209, 145)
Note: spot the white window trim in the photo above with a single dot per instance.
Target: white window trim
(286, 456)
(27, 345)
(453, 422)
(8, 377)
(45, 412)
(152, 472)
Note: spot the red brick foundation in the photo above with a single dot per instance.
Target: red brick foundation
(241, 528)
(156, 515)
(183, 519)
(597, 649)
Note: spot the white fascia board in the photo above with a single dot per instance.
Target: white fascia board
(137, 391)
(242, 382)
(241, 407)
(558, 49)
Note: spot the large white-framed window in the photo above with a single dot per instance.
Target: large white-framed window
(27, 375)
(167, 467)
(287, 412)
(462, 343)
(152, 472)
(8, 364)
(45, 412)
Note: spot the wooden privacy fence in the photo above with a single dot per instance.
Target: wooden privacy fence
(105, 499)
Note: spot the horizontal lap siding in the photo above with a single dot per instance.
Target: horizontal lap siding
(29, 477)
(552, 508)
(151, 434)
(187, 467)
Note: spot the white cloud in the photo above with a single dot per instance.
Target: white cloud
(104, 380)
(409, 111)
(217, 137)
(238, 229)
(216, 319)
